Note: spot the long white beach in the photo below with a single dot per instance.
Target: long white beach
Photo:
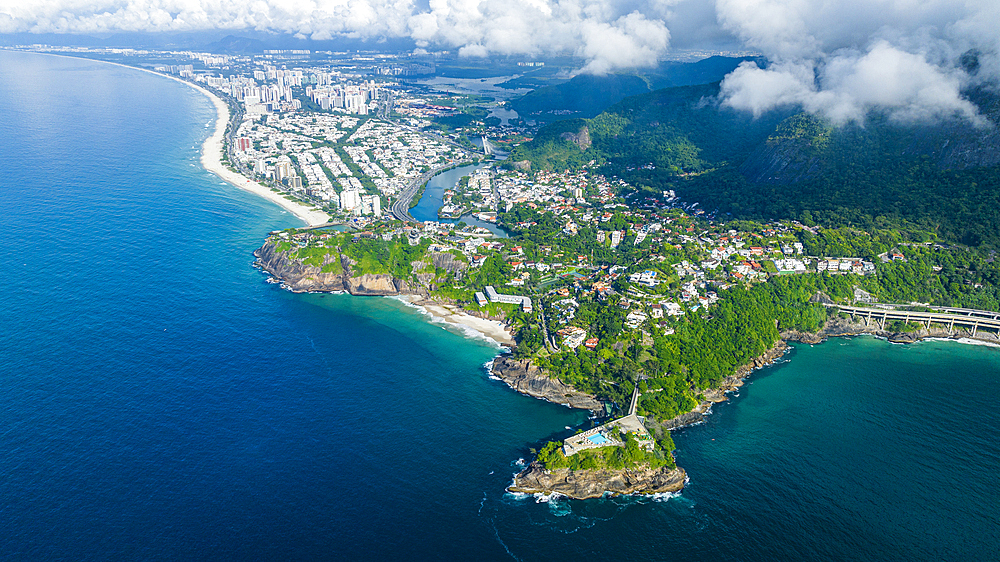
(211, 160)
(211, 153)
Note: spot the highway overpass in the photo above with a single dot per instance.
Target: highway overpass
(951, 317)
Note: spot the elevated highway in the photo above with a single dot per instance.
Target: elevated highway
(951, 317)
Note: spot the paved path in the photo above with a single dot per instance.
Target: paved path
(635, 399)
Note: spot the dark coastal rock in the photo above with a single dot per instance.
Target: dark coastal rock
(381, 285)
(448, 262)
(301, 278)
(528, 379)
(690, 418)
(585, 484)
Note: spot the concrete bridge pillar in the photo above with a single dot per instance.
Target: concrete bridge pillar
(882, 323)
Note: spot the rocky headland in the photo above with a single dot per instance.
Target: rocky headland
(299, 277)
(586, 484)
(526, 378)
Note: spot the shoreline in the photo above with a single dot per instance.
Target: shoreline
(211, 160)
(211, 151)
(491, 330)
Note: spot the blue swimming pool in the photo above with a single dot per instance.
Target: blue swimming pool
(597, 439)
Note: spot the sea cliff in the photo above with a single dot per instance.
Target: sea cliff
(300, 277)
(526, 378)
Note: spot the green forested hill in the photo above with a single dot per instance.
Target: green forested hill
(943, 177)
(587, 95)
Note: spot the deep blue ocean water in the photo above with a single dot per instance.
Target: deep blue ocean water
(159, 400)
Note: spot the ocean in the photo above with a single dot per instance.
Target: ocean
(160, 400)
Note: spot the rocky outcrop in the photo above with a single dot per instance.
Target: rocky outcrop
(448, 262)
(301, 278)
(297, 276)
(581, 138)
(528, 379)
(585, 484)
(784, 162)
(380, 285)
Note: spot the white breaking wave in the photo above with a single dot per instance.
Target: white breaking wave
(461, 329)
(518, 495)
(967, 341)
(664, 496)
(546, 498)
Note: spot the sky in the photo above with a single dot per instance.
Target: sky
(835, 58)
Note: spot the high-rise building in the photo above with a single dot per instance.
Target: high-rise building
(372, 205)
(350, 200)
(283, 168)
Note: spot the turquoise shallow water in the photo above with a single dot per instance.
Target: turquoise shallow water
(159, 400)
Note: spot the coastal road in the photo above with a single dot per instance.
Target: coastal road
(981, 318)
(400, 208)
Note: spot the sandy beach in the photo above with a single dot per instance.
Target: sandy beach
(211, 154)
(211, 160)
(451, 314)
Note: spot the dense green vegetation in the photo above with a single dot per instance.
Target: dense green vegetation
(377, 256)
(940, 178)
(552, 150)
(703, 351)
(615, 458)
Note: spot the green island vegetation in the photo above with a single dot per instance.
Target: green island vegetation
(615, 458)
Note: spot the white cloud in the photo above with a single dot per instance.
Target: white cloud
(609, 34)
(836, 57)
(843, 58)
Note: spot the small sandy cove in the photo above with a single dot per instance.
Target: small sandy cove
(452, 314)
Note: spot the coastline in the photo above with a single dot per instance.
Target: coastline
(211, 160)
(211, 151)
(491, 330)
